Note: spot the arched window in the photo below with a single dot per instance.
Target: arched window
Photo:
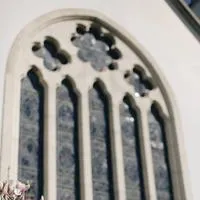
(88, 115)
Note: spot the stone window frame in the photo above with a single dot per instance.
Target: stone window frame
(17, 68)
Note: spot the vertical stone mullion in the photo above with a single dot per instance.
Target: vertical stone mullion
(12, 171)
(85, 147)
(117, 152)
(146, 153)
(50, 179)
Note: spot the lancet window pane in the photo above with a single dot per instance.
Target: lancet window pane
(160, 155)
(131, 151)
(100, 145)
(67, 143)
(30, 167)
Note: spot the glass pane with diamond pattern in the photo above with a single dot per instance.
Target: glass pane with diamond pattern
(131, 152)
(30, 158)
(67, 143)
(160, 156)
(100, 145)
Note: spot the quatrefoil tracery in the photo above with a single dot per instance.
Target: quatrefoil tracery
(51, 53)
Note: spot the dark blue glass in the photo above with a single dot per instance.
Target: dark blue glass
(188, 1)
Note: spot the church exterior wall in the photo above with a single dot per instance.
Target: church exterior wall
(162, 34)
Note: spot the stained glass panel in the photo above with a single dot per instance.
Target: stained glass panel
(100, 145)
(131, 152)
(67, 144)
(160, 156)
(97, 47)
(138, 79)
(30, 158)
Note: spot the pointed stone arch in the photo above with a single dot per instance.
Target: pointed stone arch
(118, 56)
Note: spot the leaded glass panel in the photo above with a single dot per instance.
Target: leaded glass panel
(100, 145)
(131, 152)
(160, 155)
(67, 143)
(30, 158)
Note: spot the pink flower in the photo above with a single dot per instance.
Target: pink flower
(13, 189)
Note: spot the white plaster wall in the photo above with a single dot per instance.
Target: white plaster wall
(157, 28)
